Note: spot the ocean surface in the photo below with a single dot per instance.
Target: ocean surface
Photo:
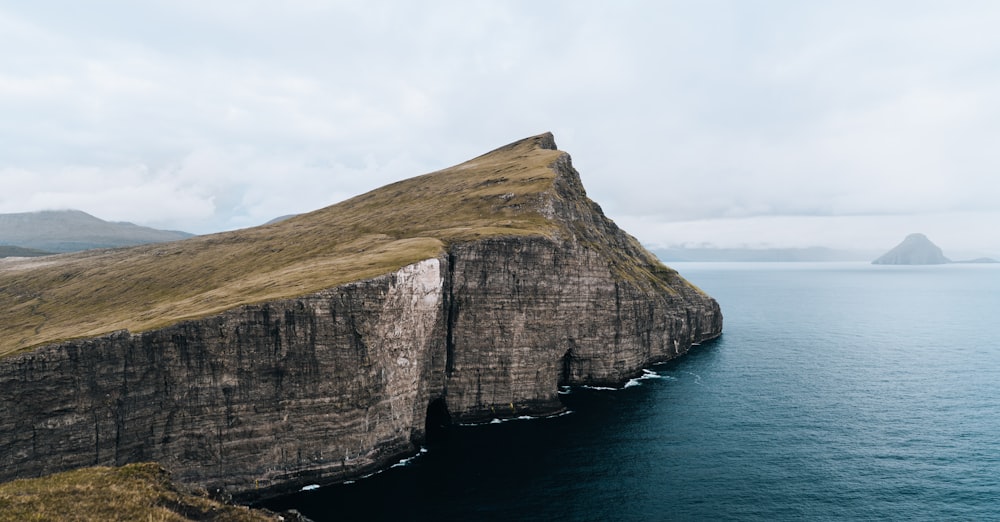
(838, 391)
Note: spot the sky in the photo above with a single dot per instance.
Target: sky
(847, 124)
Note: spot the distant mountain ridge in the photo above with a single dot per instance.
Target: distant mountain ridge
(712, 254)
(15, 251)
(279, 219)
(980, 260)
(63, 231)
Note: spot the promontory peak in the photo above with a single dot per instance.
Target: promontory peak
(326, 346)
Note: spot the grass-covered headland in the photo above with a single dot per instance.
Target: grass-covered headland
(136, 492)
(92, 293)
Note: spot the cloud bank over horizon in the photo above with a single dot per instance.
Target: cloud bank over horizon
(734, 123)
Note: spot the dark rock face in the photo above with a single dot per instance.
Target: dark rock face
(326, 386)
(267, 398)
(916, 249)
(515, 339)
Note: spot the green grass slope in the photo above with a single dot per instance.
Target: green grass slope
(55, 298)
(136, 492)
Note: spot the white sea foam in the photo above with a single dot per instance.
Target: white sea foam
(521, 418)
(646, 374)
(408, 460)
(697, 378)
(403, 462)
(636, 381)
(310, 487)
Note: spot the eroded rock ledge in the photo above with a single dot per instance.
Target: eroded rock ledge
(265, 398)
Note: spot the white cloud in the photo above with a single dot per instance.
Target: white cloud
(120, 195)
(215, 115)
(960, 234)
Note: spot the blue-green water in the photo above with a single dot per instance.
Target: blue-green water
(837, 391)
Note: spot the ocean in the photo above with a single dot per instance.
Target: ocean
(838, 391)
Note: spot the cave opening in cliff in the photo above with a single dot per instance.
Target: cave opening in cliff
(566, 368)
(438, 421)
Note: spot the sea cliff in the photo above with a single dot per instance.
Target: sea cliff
(527, 287)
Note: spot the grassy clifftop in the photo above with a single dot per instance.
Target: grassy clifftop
(504, 192)
(133, 492)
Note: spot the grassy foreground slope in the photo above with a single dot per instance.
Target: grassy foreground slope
(133, 492)
(92, 293)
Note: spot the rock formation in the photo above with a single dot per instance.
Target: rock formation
(916, 249)
(315, 349)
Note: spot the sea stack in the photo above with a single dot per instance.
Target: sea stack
(916, 249)
(321, 348)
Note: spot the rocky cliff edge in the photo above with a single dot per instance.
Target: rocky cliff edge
(317, 349)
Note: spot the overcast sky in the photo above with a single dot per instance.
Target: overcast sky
(759, 123)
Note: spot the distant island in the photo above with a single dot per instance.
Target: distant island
(917, 249)
(980, 260)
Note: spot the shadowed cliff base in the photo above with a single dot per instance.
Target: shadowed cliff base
(329, 345)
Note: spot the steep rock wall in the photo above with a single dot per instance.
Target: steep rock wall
(517, 336)
(268, 397)
(589, 307)
(322, 387)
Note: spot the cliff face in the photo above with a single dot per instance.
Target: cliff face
(267, 397)
(328, 385)
(528, 315)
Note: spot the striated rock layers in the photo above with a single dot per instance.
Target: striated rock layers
(267, 396)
